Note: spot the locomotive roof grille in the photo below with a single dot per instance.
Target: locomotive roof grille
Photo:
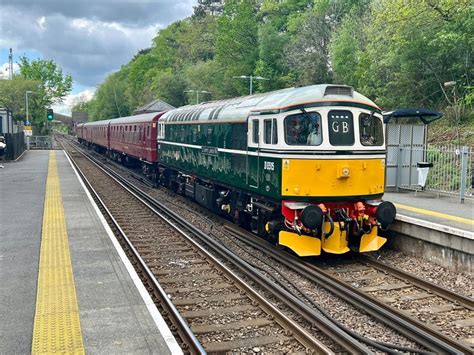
(188, 115)
(339, 90)
(211, 115)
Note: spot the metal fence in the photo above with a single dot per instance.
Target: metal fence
(451, 171)
(39, 142)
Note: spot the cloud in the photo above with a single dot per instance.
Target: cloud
(4, 68)
(73, 99)
(87, 38)
(136, 13)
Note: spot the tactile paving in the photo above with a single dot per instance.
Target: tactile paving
(57, 327)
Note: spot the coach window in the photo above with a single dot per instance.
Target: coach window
(270, 131)
(194, 135)
(255, 129)
(370, 129)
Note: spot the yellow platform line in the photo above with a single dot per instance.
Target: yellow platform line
(57, 327)
(435, 214)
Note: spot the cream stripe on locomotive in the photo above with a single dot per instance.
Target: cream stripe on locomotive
(310, 155)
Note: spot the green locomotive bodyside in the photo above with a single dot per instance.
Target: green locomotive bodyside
(218, 152)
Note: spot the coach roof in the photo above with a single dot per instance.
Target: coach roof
(146, 117)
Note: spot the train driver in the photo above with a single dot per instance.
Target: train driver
(295, 134)
(315, 136)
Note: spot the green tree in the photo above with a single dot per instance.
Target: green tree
(208, 76)
(110, 99)
(170, 87)
(52, 87)
(13, 96)
(307, 54)
(237, 44)
(406, 51)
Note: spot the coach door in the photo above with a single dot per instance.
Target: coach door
(253, 152)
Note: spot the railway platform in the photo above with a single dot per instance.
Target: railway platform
(66, 287)
(440, 228)
(431, 208)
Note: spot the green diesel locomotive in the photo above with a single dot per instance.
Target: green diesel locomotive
(302, 167)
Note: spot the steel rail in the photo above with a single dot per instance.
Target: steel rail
(400, 321)
(323, 324)
(419, 282)
(182, 327)
(299, 333)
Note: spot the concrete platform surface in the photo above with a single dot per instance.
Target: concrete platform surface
(114, 316)
(429, 207)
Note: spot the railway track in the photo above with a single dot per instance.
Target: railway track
(209, 306)
(341, 281)
(445, 311)
(432, 339)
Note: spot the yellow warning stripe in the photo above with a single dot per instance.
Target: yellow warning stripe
(435, 214)
(57, 327)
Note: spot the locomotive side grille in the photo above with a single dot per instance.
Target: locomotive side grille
(339, 90)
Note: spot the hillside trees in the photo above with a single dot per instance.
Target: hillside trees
(399, 53)
(237, 45)
(111, 99)
(403, 53)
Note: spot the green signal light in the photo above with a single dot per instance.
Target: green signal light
(50, 114)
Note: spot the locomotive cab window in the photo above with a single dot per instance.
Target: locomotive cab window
(371, 130)
(303, 129)
(341, 127)
(270, 131)
(255, 129)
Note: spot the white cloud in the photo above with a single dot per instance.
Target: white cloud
(87, 38)
(4, 70)
(73, 99)
(42, 22)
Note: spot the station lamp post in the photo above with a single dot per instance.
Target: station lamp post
(26, 102)
(197, 93)
(252, 78)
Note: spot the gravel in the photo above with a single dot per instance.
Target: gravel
(459, 282)
(338, 309)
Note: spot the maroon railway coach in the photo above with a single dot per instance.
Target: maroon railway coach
(131, 140)
(135, 137)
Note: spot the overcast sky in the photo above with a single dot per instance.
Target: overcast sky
(87, 38)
